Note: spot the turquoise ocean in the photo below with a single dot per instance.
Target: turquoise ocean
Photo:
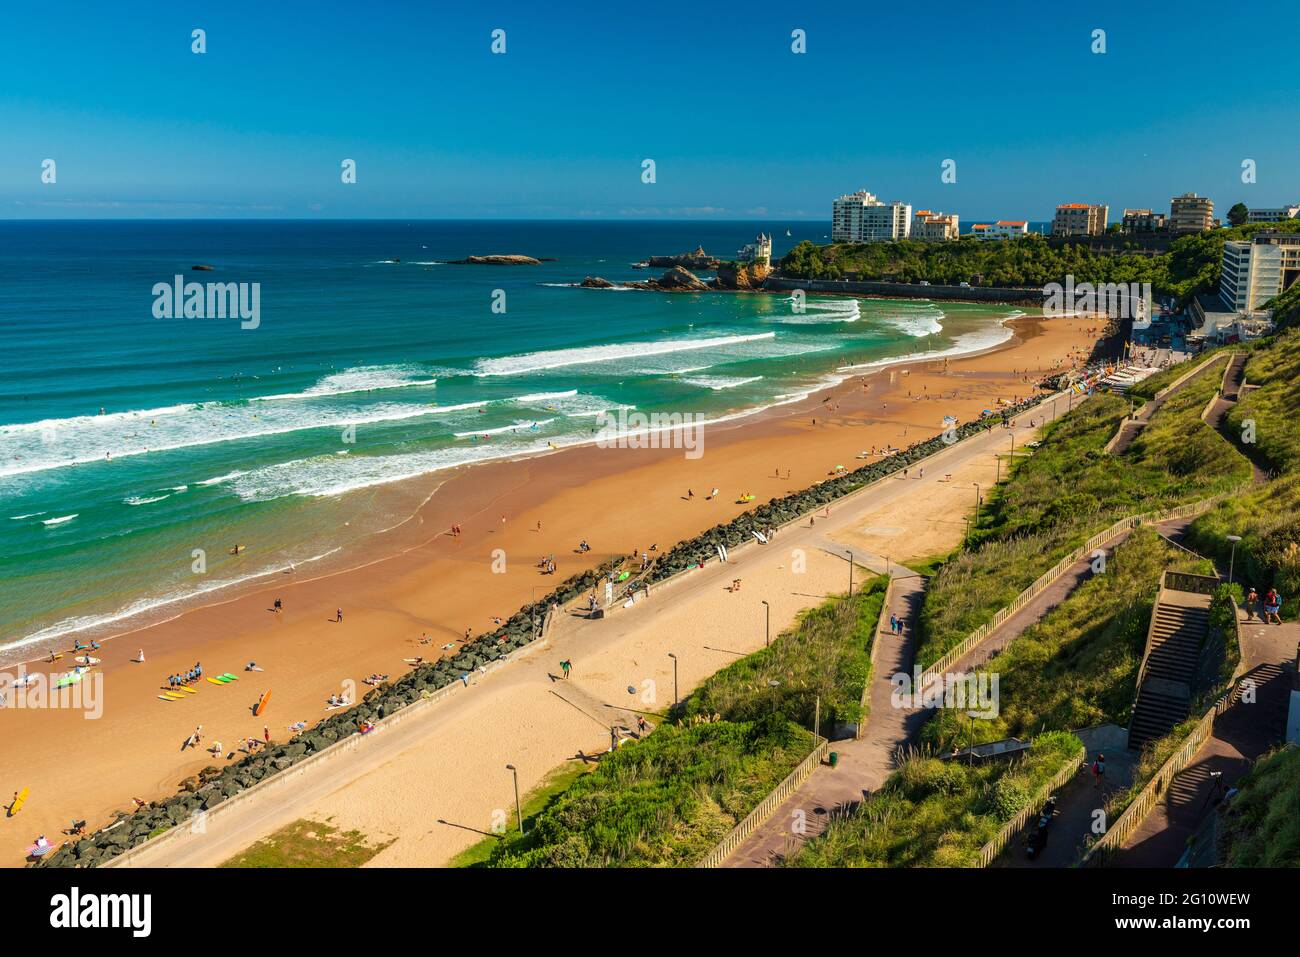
(127, 441)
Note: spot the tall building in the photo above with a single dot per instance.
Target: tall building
(758, 252)
(1254, 271)
(1190, 213)
(861, 218)
(1276, 214)
(1079, 219)
(934, 227)
(1142, 221)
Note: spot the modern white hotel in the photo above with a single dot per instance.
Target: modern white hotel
(861, 218)
(1256, 270)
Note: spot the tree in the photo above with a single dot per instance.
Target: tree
(1237, 215)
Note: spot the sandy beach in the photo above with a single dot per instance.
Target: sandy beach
(421, 581)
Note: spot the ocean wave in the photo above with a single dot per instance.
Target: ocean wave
(721, 382)
(61, 519)
(588, 355)
(927, 324)
(546, 396)
(142, 500)
(360, 379)
(19, 518)
(501, 430)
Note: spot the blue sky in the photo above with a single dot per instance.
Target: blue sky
(557, 127)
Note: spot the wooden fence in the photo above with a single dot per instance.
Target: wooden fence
(766, 807)
(1013, 827)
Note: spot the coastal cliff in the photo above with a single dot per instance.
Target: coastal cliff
(696, 260)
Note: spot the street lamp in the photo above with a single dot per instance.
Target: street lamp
(850, 554)
(674, 657)
(977, 505)
(767, 624)
(519, 813)
(1233, 557)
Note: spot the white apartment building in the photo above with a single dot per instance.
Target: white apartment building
(934, 227)
(1002, 229)
(861, 218)
(1190, 213)
(1255, 271)
(1275, 215)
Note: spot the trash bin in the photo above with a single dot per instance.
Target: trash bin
(833, 758)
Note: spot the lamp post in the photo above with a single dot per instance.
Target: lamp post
(850, 554)
(767, 624)
(674, 657)
(519, 813)
(977, 505)
(1233, 556)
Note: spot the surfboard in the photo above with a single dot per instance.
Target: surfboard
(163, 697)
(229, 677)
(19, 801)
(183, 688)
(625, 576)
(86, 660)
(37, 851)
(67, 680)
(173, 696)
(261, 704)
(215, 681)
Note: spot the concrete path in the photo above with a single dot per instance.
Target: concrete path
(864, 763)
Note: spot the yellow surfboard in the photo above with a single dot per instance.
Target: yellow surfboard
(182, 688)
(19, 801)
(173, 695)
(216, 682)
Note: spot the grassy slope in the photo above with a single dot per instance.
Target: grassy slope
(1068, 490)
(1076, 668)
(932, 813)
(828, 653)
(1260, 827)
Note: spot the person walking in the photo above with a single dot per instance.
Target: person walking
(1098, 770)
(893, 624)
(1272, 607)
(338, 614)
(1252, 602)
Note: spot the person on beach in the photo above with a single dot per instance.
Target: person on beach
(139, 659)
(565, 665)
(338, 614)
(279, 606)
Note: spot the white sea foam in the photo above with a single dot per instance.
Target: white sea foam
(18, 518)
(61, 519)
(721, 382)
(143, 500)
(520, 426)
(587, 355)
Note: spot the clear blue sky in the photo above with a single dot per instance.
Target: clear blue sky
(738, 125)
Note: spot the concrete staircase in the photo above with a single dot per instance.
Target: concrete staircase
(1180, 624)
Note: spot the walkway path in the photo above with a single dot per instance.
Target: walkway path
(1130, 427)
(864, 763)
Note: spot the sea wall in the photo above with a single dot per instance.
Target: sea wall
(1020, 295)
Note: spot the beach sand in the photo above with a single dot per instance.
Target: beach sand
(419, 580)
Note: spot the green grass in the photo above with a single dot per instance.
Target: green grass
(932, 813)
(534, 803)
(1076, 668)
(1274, 366)
(665, 801)
(1068, 490)
(1148, 387)
(309, 844)
(827, 654)
(1260, 826)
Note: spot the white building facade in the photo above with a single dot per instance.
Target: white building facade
(1276, 214)
(1254, 271)
(861, 218)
